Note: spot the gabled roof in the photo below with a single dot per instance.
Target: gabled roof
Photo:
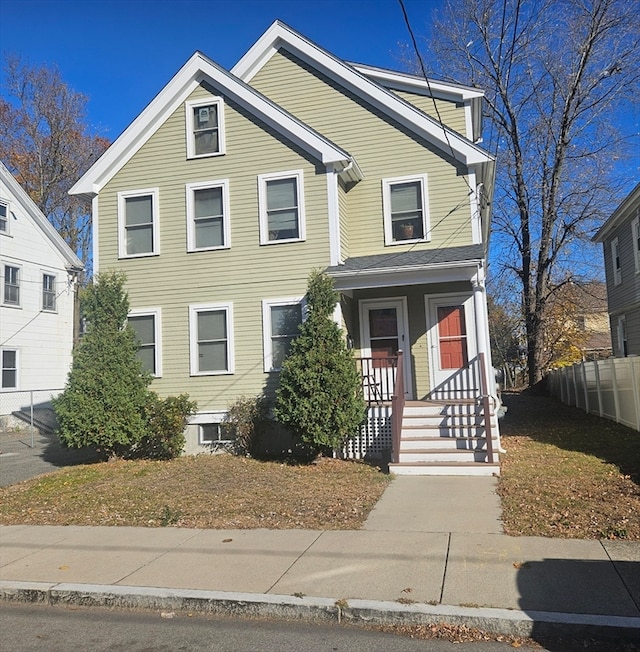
(625, 210)
(29, 207)
(198, 69)
(281, 36)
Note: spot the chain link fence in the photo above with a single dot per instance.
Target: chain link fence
(29, 410)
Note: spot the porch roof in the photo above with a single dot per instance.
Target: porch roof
(408, 267)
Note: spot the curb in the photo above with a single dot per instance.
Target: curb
(315, 609)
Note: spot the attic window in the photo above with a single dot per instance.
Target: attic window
(4, 217)
(205, 128)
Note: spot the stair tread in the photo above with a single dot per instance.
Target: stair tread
(497, 464)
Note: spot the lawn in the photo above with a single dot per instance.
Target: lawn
(567, 474)
(206, 491)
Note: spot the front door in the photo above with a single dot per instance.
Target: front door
(384, 333)
(452, 345)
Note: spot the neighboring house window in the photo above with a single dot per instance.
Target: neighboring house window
(214, 433)
(146, 324)
(211, 339)
(11, 285)
(208, 216)
(205, 128)
(405, 208)
(138, 222)
(622, 337)
(635, 230)
(281, 198)
(9, 368)
(281, 321)
(4, 217)
(48, 292)
(615, 262)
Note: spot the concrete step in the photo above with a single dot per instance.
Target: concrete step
(445, 468)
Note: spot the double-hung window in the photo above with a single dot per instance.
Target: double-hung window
(281, 320)
(146, 324)
(11, 285)
(9, 368)
(4, 217)
(208, 216)
(211, 339)
(405, 209)
(615, 262)
(281, 199)
(48, 292)
(205, 127)
(635, 232)
(138, 223)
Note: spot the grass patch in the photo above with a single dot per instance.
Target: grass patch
(218, 491)
(567, 474)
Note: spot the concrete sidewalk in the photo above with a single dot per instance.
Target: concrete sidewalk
(432, 550)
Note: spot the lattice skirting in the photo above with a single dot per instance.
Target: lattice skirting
(374, 439)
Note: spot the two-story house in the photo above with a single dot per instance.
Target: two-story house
(620, 236)
(38, 282)
(231, 186)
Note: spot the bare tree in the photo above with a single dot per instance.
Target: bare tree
(44, 142)
(557, 75)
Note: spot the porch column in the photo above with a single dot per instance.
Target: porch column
(481, 320)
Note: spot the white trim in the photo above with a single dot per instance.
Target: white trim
(156, 313)
(635, 234)
(17, 367)
(212, 442)
(226, 229)
(333, 210)
(267, 348)
(200, 69)
(280, 35)
(404, 338)
(474, 204)
(189, 105)
(622, 335)
(95, 206)
(194, 310)
(20, 287)
(154, 193)
(263, 179)
(54, 276)
(468, 123)
(615, 257)
(386, 208)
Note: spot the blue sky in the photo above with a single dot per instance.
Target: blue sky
(120, 53)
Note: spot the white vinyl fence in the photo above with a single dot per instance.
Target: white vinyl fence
(609, 388)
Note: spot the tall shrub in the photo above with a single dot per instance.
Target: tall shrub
(319, 395)
(105, 399)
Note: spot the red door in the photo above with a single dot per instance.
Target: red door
(452, 337)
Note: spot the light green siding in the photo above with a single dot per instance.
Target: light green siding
(382, 150)
(244, 275)
(451, 113)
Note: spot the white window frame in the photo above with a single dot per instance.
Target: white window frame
(622, 336)
(215, 442)
(51, 291)
(635, 232)
(191, 225)
(154, 193)
(156, 313)
(11, 304)
(386, 208)
(194, 310)
(7, 220)
(615, 256)
(2, 368)
(263, 180)
(190, 105)
(267, 335)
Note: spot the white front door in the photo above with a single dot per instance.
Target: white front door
(452, 346)
(383, 325)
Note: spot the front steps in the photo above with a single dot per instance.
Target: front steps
(445, 438)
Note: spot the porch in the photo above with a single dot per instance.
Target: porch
(453, 432)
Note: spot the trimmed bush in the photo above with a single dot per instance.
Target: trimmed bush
(320, 396)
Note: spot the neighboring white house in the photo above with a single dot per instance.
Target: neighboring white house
(38, 275)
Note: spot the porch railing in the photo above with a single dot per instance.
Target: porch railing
(397, 410)
(378, 378)
(486, 405)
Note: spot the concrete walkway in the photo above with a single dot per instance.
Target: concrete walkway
(432, 550)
